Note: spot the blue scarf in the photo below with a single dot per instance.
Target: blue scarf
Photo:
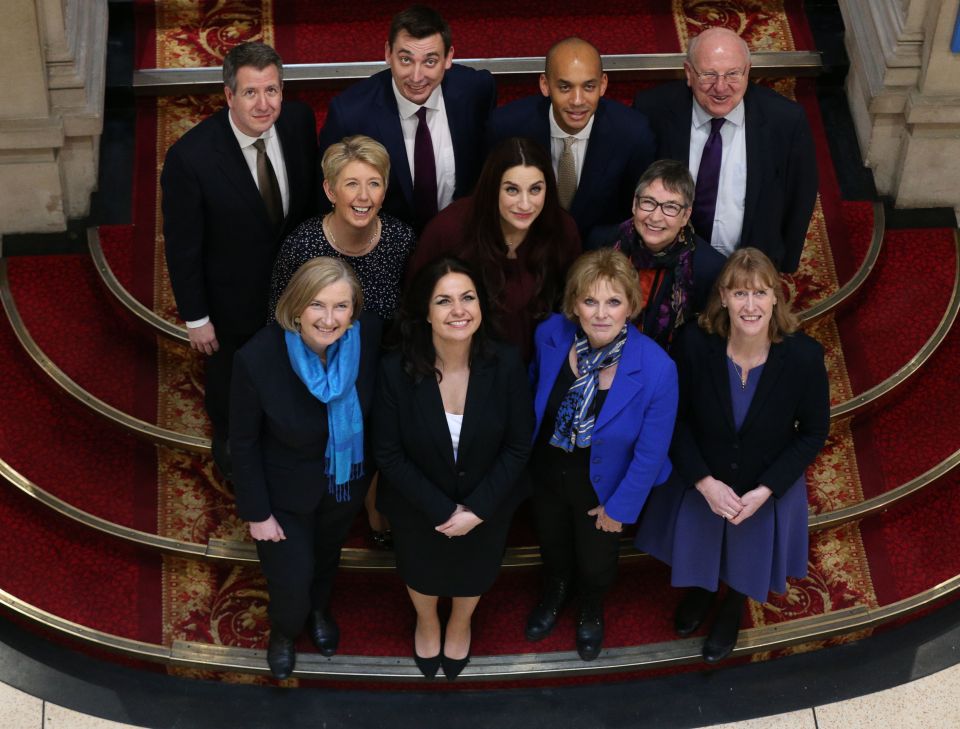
(336, 386)
(575, 417)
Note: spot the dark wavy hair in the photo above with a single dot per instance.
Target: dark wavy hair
(412, 330)
(485, 245)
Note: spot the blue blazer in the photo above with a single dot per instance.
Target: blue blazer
(370, 107)
(621, 147)
(632, 433)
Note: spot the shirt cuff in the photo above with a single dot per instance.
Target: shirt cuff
(197, 323)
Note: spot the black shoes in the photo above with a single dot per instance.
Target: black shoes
(220, 449)
(590, 630)
(428, 666)
(381, 540)
(543, 617)
(281, 655)
(692, 610)
(453, 666)
(324, 632)
(723, 635)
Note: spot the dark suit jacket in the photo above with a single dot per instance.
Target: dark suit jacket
(278, 429)
(370, 107)
(781, 163)
(621, 147)
(220, 242)
(631, 436)
(413, 448)
(784, 429)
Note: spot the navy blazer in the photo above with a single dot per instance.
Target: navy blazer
(784, 429)
(781, 163)
(631, 435)
(414, 451)
(219, 240)
(369, 107)
(278, 429)
(621, 147)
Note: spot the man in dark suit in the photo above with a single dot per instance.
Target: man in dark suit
(233, 186)
(749, 149)
(599, 148)
(430, 114)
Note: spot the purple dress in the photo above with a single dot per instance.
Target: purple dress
(755, 557)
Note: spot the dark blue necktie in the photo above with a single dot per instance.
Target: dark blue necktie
(708, 182)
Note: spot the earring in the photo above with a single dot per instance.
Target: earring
(296, 322)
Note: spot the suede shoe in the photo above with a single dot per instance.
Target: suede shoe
(324, 632)
(543, 617)
(281, 655)
(692, 610)
(590, 630)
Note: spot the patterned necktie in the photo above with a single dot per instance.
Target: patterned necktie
(267, 182)
(567, 174)
(424, 172)
(708, 182)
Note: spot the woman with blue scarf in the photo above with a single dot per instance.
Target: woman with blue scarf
(301, 387)
(606, 399)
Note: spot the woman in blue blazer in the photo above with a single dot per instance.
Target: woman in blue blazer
(606, 399)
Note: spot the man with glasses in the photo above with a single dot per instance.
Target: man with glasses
(749, 149)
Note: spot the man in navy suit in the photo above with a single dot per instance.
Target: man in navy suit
(422, 82)
(599, 147)
(767, 183)
(233, 186)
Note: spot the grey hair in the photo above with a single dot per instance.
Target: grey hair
(695, 41)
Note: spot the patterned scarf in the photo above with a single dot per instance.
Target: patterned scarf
(336, 386)
(666, 281)
(575, 418)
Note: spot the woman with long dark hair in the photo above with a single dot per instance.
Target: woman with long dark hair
(513, 230)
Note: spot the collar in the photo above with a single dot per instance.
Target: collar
(407, 108)
(701, 116)
(557, 133)
(245, 140)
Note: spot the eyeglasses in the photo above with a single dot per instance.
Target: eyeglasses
(669, 208)
(709, 78)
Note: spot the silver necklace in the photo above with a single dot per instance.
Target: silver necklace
(328, 231)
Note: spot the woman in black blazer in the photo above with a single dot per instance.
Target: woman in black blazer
(301, 387)
(754, 411)
(452, 426)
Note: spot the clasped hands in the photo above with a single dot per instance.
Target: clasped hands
(724, 502)
(460, 522)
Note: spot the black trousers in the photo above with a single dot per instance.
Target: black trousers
(571, 546)
(300, 570)
(218, 372)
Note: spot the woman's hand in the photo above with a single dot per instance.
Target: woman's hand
(267, 531)
(460, 522)
(752, 500)
(722, 499)
(604, 522)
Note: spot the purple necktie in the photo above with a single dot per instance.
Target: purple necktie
(424, 172)
(708, 181)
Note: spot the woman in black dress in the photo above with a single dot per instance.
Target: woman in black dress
(452, 428)
(300, 389)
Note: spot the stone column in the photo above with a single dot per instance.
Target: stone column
(52, 113)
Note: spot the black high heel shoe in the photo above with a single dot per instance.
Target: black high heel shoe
(453, 666)
(428, 666)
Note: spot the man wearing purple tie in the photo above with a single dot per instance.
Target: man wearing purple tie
(749, 149)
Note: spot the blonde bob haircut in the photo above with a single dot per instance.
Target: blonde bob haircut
(749, 268)
(311, 278)
(602, 264)
(357, 148)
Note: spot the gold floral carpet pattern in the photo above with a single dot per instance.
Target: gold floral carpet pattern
(226, 605)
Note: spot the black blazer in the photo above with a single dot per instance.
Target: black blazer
(413, 448)
(781, 163)
(784, 429)
(220, 242)
(621, 147)
(370, 107)
(278, 430)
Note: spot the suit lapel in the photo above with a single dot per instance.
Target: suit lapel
(717, 365)
(756, 132)
(627, 381)
(593, 163)
(234, 167)
(293, 162)
(768, 382)
(457, 123)
(427, 400)
(387, 117)
(553, 355)
(478, 390)
(676, 144)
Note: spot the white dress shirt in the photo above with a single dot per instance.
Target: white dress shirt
(579, 146)
(275, 153)
(440, 135)
(732, 189)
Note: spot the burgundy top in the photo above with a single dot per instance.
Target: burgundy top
(445, 235)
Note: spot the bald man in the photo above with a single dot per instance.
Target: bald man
(599, 147)
(756, 171)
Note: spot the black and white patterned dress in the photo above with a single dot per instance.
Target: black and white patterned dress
(380, 271)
